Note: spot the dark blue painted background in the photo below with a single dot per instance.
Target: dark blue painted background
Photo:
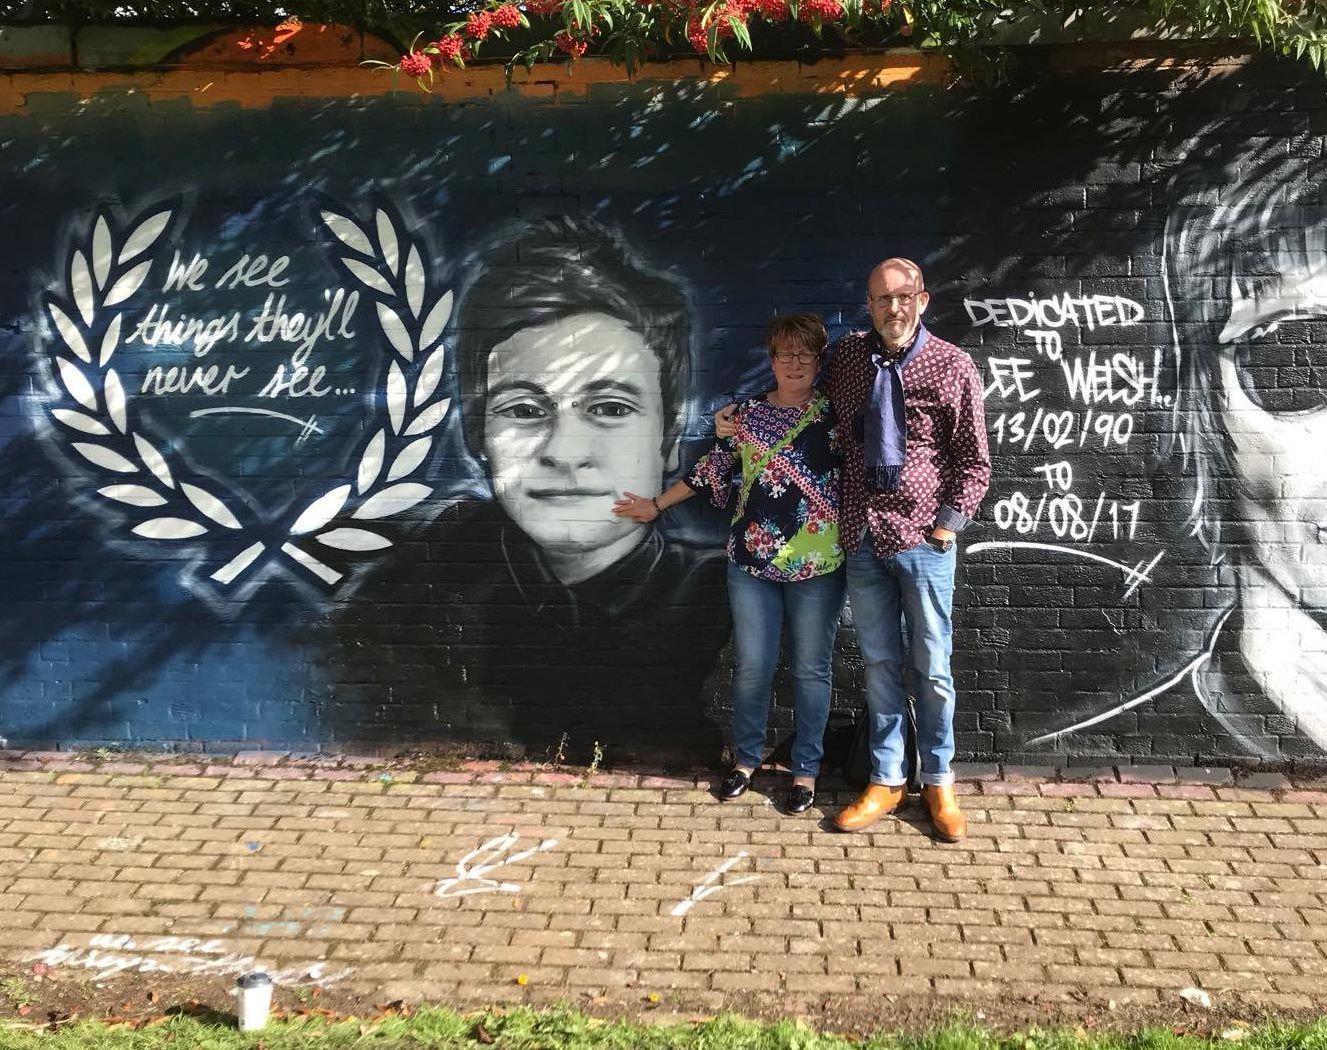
(759, 205)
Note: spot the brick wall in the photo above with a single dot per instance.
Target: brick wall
(279, 525)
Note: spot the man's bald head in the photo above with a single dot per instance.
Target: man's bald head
(896, 296)
(904, 269)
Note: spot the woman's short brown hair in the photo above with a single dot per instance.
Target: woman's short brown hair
(805, 330)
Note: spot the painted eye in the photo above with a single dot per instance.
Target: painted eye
(1282, 365)
(612, 409)
(521, 410)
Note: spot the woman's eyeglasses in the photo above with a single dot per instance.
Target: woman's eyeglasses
(804, 357)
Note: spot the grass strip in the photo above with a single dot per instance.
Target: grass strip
(561, 1029)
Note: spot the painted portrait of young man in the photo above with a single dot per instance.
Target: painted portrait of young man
(538, 615)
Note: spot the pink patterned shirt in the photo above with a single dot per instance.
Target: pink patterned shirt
(948, 465)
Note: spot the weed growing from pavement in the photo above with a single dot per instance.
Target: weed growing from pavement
(16, 990)
(559, 757)
(596, 760)
(560, 1029)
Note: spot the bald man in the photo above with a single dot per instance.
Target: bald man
(915, 468)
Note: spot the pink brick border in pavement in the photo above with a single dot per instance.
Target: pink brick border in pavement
(1143, 781)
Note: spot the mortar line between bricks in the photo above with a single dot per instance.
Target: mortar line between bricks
(1011, 908)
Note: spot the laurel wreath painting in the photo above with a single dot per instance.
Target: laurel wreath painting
(112, 263)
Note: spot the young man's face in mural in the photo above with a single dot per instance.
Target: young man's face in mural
(574, 417)
(1272, 405)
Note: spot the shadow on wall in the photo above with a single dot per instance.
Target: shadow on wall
(63, 582)
(528, 615)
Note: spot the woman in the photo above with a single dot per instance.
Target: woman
(785, 562)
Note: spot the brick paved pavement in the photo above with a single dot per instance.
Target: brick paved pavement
(334, 872)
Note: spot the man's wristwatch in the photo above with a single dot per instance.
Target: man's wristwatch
(943, 546)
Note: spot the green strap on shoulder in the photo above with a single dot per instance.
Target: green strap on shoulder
(758, 466)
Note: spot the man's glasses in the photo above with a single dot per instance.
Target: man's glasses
(804, 357)
(905, 300)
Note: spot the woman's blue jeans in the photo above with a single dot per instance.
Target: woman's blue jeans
(760, 608)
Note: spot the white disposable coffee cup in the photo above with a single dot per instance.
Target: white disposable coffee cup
(255, 992)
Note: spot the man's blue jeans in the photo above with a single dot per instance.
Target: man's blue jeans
(912, 591)
(760, 607)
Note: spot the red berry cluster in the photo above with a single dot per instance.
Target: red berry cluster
(416, 64)
(508, 16)
(826, 10)
(478, 24)
(772, 10)
(564, 41)
(697, 35)
(451, 49)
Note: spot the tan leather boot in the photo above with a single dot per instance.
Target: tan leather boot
(878, 800)
(946, 817)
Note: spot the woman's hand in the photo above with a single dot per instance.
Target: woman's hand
(640, 509)
(725, 421)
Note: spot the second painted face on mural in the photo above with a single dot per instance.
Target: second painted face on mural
(1272, 407)
(574, 418)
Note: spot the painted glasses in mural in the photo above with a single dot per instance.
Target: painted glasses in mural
(161, 500)
(1246, 284)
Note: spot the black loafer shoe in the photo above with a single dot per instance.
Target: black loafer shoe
(734, 785)
(800, 798)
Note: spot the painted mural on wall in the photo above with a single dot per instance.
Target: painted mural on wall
(573, 370)
(1251, 383)
(113, 261)
(303, 450)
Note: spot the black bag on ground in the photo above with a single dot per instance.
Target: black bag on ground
(857, 763)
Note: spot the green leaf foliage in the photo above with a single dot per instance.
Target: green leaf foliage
(977, 34)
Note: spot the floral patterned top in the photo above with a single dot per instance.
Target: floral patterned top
(787, 528)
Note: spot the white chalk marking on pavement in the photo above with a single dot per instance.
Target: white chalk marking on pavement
(112, 954)
(470, 879)
(710, 884)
